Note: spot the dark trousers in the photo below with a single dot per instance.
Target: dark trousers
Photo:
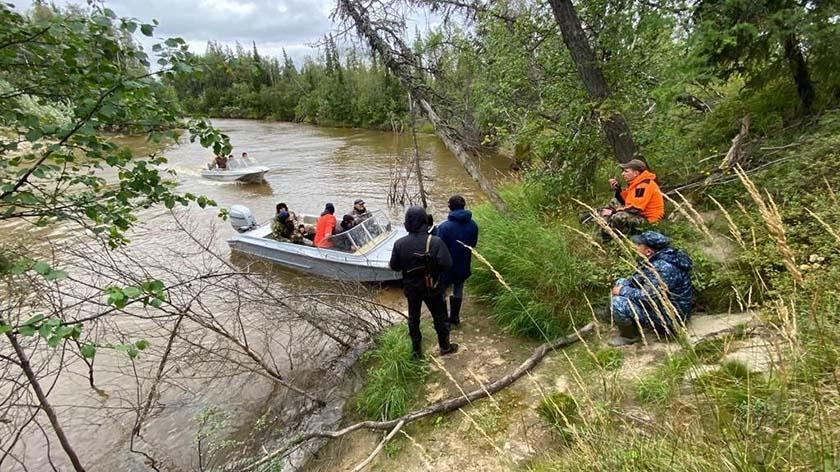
(437, 306)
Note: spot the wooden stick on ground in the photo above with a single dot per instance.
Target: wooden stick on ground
(379, 448)
(445, 406)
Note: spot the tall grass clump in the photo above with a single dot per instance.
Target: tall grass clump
(394, 378)
(560, 411)
(530, 250)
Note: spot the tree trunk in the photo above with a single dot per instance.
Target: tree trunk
(449, 137)
(799, 70)
(616, 131)
(403, 63)
(45, 404)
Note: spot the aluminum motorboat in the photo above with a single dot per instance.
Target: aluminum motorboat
(360, 254)
(239, 169)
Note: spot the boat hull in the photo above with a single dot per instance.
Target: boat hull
(327, 263)
(248, 175)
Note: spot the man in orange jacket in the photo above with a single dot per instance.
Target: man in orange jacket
(641, 202)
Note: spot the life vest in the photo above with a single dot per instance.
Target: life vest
(643, 194)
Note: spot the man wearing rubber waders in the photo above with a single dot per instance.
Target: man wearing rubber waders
(458, 228)
(423, 258)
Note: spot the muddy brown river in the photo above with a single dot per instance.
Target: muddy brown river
(309, 166)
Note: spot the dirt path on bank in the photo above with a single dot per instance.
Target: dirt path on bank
(493, 433)
(503, 432)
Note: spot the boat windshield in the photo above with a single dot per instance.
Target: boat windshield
(363, 235)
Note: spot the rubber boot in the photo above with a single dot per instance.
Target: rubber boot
(416, 350)
(628, 333)
(455, 311)
(446, 347)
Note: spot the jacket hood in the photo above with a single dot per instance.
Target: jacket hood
(676, 258)
(644, 175)
(415, 220)
(461, 216)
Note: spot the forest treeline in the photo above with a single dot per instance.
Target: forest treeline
(333, 90)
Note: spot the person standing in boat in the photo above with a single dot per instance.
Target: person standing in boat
(458, 228)
(325, 227)
(423, 258)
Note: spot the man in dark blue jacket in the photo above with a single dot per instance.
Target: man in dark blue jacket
(422, 259)
(458, 228)
(658, 296)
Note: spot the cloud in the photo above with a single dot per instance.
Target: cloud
(272, 24)
(298, 21)
(226, 6)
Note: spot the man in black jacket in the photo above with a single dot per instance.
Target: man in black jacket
(422, 259)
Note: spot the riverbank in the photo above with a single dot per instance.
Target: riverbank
(752, 385)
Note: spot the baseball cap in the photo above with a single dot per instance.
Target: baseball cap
(635, 164)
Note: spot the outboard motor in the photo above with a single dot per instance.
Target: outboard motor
(241, 218)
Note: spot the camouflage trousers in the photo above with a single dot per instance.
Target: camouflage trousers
(624, 221)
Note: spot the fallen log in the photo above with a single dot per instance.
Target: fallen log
(445, 406)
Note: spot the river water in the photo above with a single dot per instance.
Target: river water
(309, 167)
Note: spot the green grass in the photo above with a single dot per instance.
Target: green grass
(609, 358)
(560, 411)
(544, 267)
(394, 378)
(663, 384)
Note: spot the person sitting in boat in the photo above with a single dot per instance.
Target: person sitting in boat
(300, 236)
(282, 227)
(342, 241)
(221, 162)
(325, 227)
(360, 213)
(283, 207)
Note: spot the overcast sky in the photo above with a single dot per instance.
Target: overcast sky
(274, 24)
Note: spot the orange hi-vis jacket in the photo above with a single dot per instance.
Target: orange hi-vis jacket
(644, 194)
(324, 229)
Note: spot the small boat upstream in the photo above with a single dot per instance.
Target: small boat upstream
(241, 169)
(369, 245)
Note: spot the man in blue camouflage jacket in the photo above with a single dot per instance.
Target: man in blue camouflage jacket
(658, 296)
